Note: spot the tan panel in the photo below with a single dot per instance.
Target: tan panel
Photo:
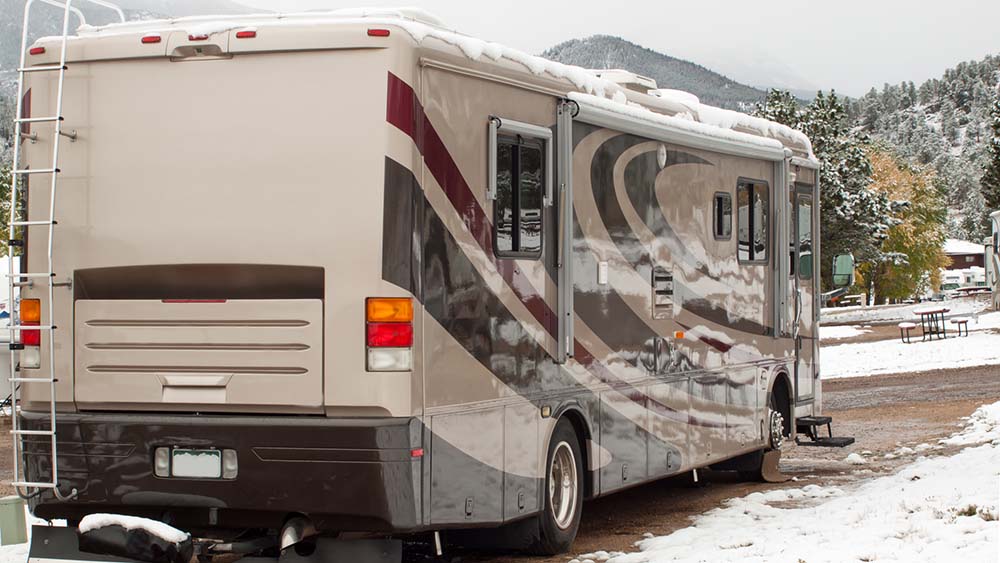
(237, 355)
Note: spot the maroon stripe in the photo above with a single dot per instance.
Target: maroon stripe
(404, 111)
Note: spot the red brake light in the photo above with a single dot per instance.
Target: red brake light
(199, 37)
(36, 50)
(390, 335)
(417, 452)
(151, 39)
(31, 337)
(246, 34)
(376, 32)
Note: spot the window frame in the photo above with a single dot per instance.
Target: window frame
(522, 134)
(740, 183)
(715, 215)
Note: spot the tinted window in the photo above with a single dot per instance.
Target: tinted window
(723, 216)
(754, 205)
(805, 238)
(517, 210)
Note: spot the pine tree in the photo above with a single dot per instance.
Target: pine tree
(853, 218)
(991, 178)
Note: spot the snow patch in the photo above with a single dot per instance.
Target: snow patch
(935, 509)
(983, 426)
(840, 332)
(158, 529)
(855, 459)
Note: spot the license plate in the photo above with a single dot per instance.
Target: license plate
(205, 464)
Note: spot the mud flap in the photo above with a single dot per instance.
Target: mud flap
(769, 469)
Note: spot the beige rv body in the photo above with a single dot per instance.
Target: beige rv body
(222, 217)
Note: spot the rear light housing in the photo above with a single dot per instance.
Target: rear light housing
(147, 39)
(246, 34)
(36, 51)
(389, 334)
(31, 315)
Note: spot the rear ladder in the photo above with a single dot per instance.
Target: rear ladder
(22, 125)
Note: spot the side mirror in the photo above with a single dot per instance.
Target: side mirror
(843, 271)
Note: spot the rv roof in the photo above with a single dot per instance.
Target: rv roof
(617, 86)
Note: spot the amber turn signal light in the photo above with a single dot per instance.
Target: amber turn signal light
(389, 310)
(31, 310)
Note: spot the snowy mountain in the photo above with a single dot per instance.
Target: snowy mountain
(943, 124)
(605, 51)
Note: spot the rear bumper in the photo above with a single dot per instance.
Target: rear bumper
(347, 474)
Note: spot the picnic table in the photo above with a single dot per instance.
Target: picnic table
(932, 321)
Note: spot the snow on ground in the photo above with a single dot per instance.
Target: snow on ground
(840, 332)
(980, 348)
(935, 509)
(891, 313)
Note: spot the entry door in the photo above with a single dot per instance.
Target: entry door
(804, 227)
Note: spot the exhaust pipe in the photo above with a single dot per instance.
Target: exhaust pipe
(295, 530)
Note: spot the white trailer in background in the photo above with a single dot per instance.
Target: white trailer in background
(993, 259)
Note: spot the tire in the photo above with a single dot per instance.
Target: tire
(556, 526)
(750, 467)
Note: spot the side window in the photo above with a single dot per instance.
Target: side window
(520, 189)
(753, 209)
(722, 222)
(520, 180)
(805, 241)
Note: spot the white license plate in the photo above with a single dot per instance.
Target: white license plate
(205, 464)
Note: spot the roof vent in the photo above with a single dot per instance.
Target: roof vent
(628, 80)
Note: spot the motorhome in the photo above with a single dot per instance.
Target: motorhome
(345, 272)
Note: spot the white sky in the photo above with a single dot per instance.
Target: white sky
(850, 45)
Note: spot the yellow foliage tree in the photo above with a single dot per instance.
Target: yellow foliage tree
(913, 255)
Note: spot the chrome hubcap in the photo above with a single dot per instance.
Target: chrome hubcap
(777, 429)
(562, 485)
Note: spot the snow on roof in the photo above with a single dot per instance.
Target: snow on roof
(956, 246)
(421, 25)
(638, 112)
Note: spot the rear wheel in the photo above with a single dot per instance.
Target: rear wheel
(559, 521)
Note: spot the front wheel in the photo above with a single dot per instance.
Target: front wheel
(559, 521)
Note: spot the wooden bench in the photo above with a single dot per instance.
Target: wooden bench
(961, 323)
(904, 331)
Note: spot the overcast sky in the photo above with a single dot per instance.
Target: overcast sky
(850, 45)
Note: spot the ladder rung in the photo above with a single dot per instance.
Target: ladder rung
(46, 119)
(45, 68)
(33, 223)
(33, 380)
(33, 484)
(30, 327)
(32, 432)
(30, 275)
(37, 171)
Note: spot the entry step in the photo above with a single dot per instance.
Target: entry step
(814, 420)
(827, 442)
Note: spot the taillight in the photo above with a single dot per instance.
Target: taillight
(31, 315)
(147, 39)
(389, 334)
(198, 37)
(36, 51)
(246, 34)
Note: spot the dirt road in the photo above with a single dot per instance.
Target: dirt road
(883, 413)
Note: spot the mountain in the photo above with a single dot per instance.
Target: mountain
(47, 20)
(942, 124)
(607, 52)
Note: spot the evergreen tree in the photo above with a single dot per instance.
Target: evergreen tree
(991, 178)
(853, 218)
